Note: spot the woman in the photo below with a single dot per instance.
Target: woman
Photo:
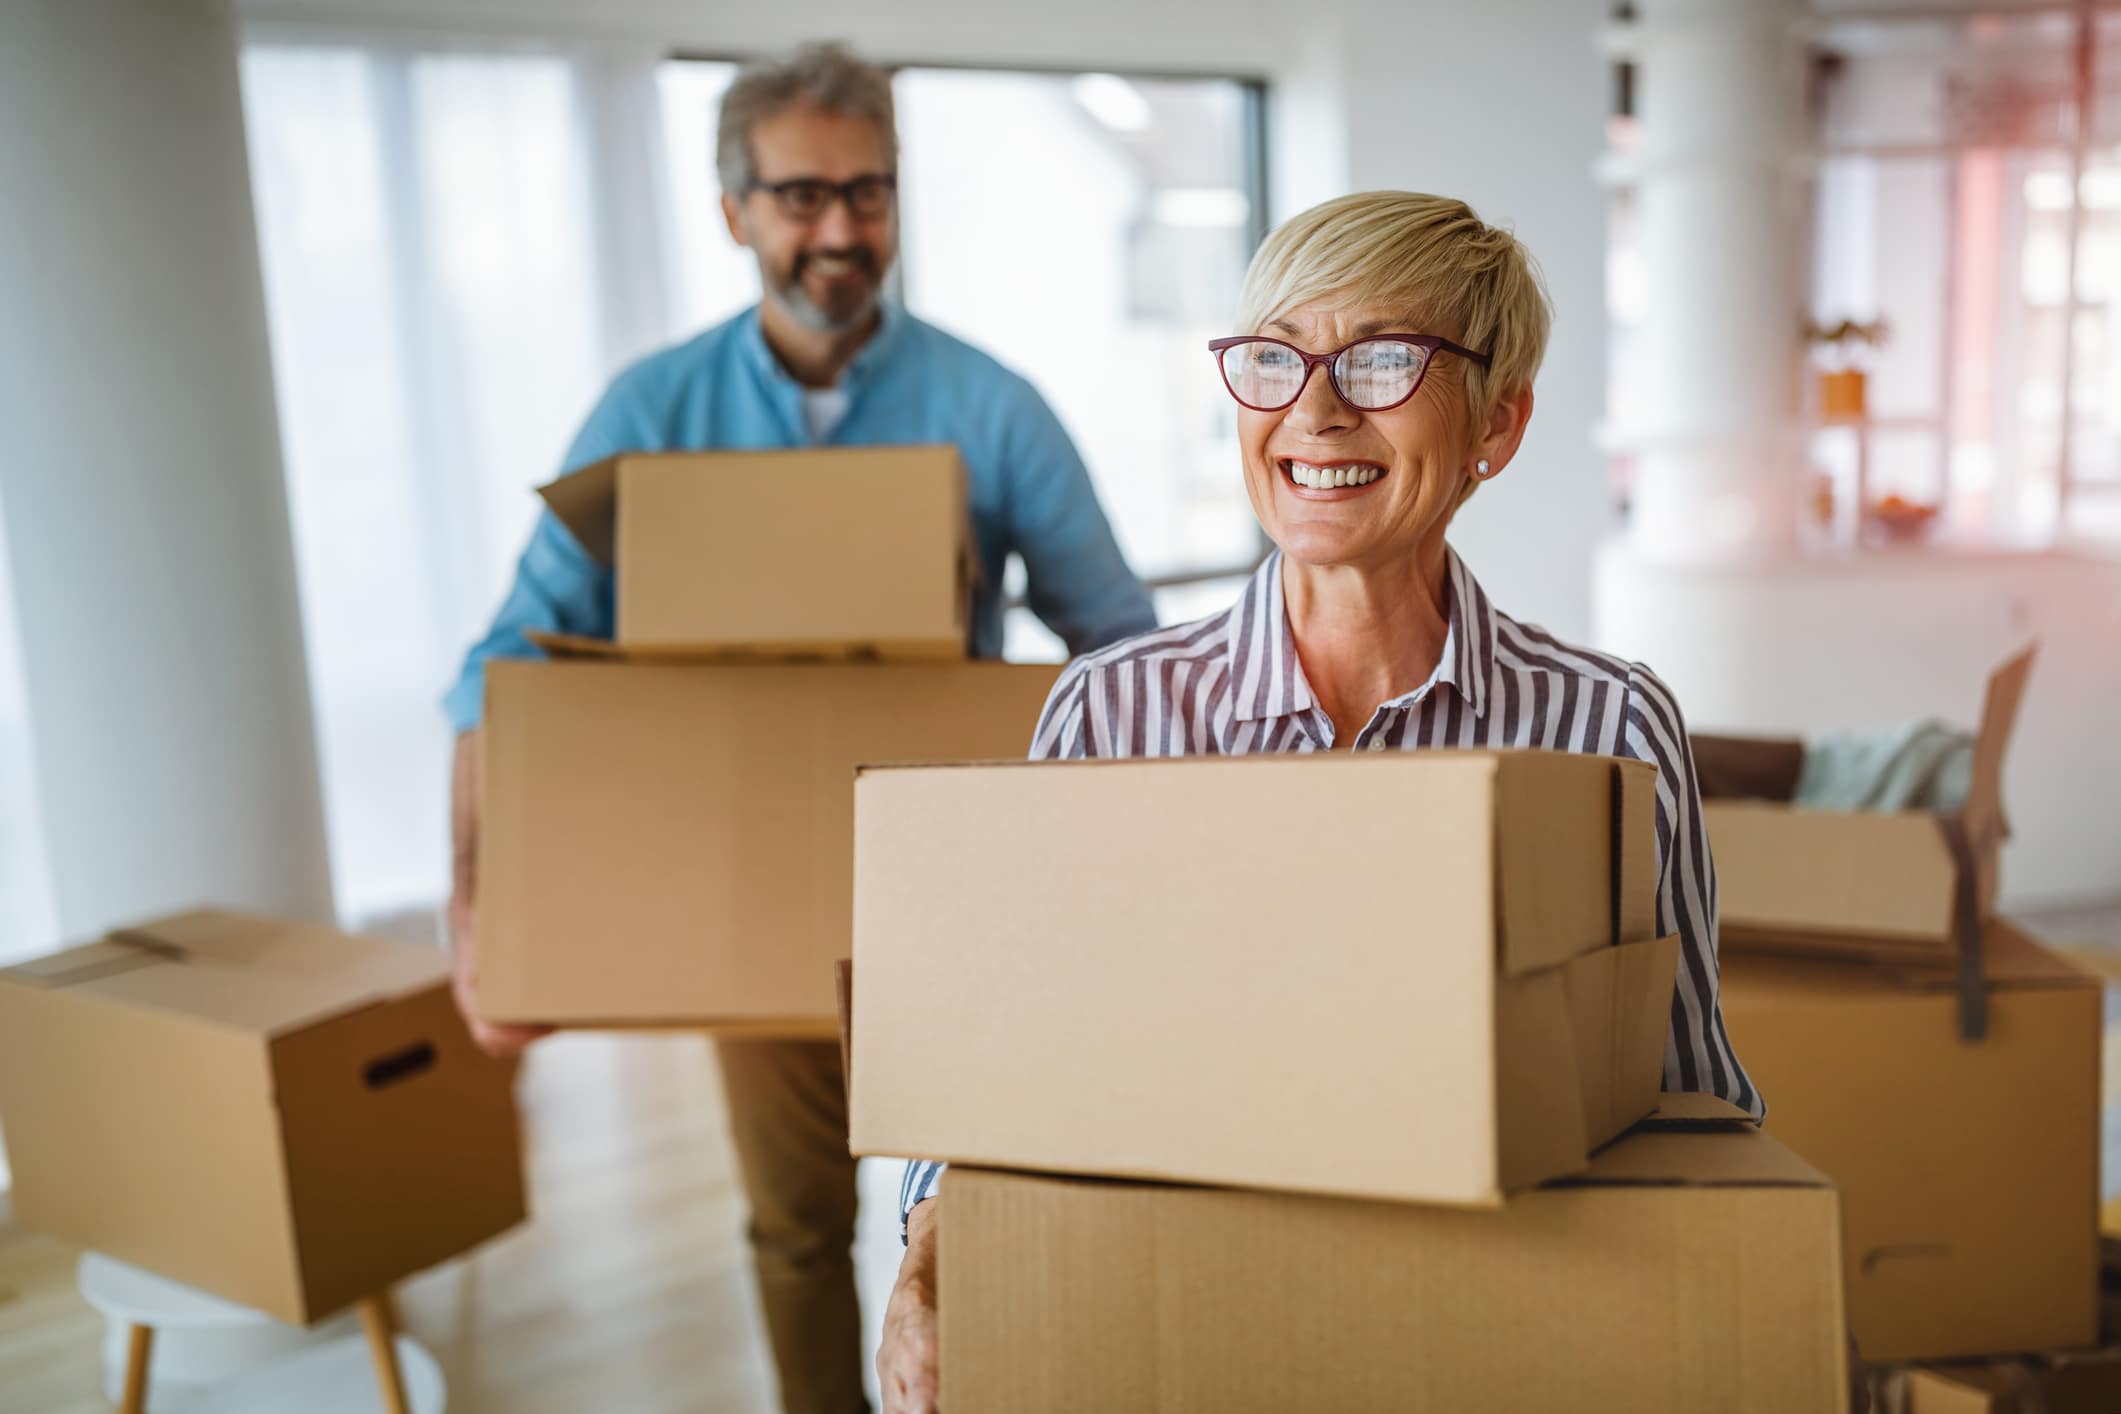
(1388, 375)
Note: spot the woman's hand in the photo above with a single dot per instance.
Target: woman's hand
(906, 1361)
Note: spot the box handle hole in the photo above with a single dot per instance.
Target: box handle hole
(399, 1065)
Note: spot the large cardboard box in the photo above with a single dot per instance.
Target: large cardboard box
(838, 551)
(1866, 881)
(1695, 1267)
(1969, 1170)
(1391, 976)
(280, 1114)
(674, 843)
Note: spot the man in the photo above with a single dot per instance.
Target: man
(808, 162)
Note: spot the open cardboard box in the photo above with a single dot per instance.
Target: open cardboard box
(831, 552)
(1423, 976)
(283, 1115)
(1969, 1170)
(666, 843)
(1695, 1266)
(1861, 881)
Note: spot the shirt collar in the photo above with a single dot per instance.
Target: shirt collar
(890, 330)
(1267, 676)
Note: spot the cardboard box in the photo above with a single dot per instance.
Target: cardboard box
(842, 551)
(1867, 881)
(1694, 1267)
(1969, 1170)
(2087, 1382)
(665, 843)
(1389, 976)
(279, 1114)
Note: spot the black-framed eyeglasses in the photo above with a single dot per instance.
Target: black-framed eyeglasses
(809, 198)
(1375, 373)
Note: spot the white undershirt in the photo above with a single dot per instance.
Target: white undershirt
(823, 410)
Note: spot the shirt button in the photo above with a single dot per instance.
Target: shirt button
(1377, 743)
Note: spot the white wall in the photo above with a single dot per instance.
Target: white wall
(1877, 640)
(1503, 106)
(146, 519)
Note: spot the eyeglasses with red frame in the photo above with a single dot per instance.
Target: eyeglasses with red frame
(1375, 373)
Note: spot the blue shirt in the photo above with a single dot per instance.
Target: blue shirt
(911, 383)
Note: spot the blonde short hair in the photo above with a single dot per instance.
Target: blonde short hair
(1427, 259)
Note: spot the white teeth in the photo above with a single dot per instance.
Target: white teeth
(1328, 477)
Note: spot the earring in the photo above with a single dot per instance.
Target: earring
(1480, 469)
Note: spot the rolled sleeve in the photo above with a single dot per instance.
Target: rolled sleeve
(919, 1184)
(559, 587)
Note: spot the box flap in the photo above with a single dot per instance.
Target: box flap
(587, 503)
(1798, 969)
(1698, 1141)
(258, 974)
(1677, 1109)
(575, 646)
(1547, 879)
(1983, 811)
(1620, 1002)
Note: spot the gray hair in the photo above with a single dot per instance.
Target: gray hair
(823, 76)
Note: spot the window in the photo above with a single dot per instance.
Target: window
(1969, 199)
(1967, 222)
(1130, 232)
(460, 246)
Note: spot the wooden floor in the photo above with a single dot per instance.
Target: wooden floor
(628, 1291)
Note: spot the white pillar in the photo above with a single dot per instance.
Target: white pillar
(145, 514)
(1502, 105)
(1719, 451)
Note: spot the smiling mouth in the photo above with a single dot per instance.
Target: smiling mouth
(837, 265)
(1324, 478)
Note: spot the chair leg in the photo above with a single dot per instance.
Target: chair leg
(140, 1347)
(380, 1322)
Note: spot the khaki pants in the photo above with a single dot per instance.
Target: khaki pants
(788, 1116)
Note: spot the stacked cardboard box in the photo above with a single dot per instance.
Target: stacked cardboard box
(1937, 1063)
(667, 817)
(283, 1115)
(1396, 1005)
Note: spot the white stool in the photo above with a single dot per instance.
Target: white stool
(219, 1337)
(337, 1377)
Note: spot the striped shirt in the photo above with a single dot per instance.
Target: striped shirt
(1231, 684)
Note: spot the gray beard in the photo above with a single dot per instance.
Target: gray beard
(814, 317)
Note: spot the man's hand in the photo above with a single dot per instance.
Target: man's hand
(905, 1362)
(495, 1040)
